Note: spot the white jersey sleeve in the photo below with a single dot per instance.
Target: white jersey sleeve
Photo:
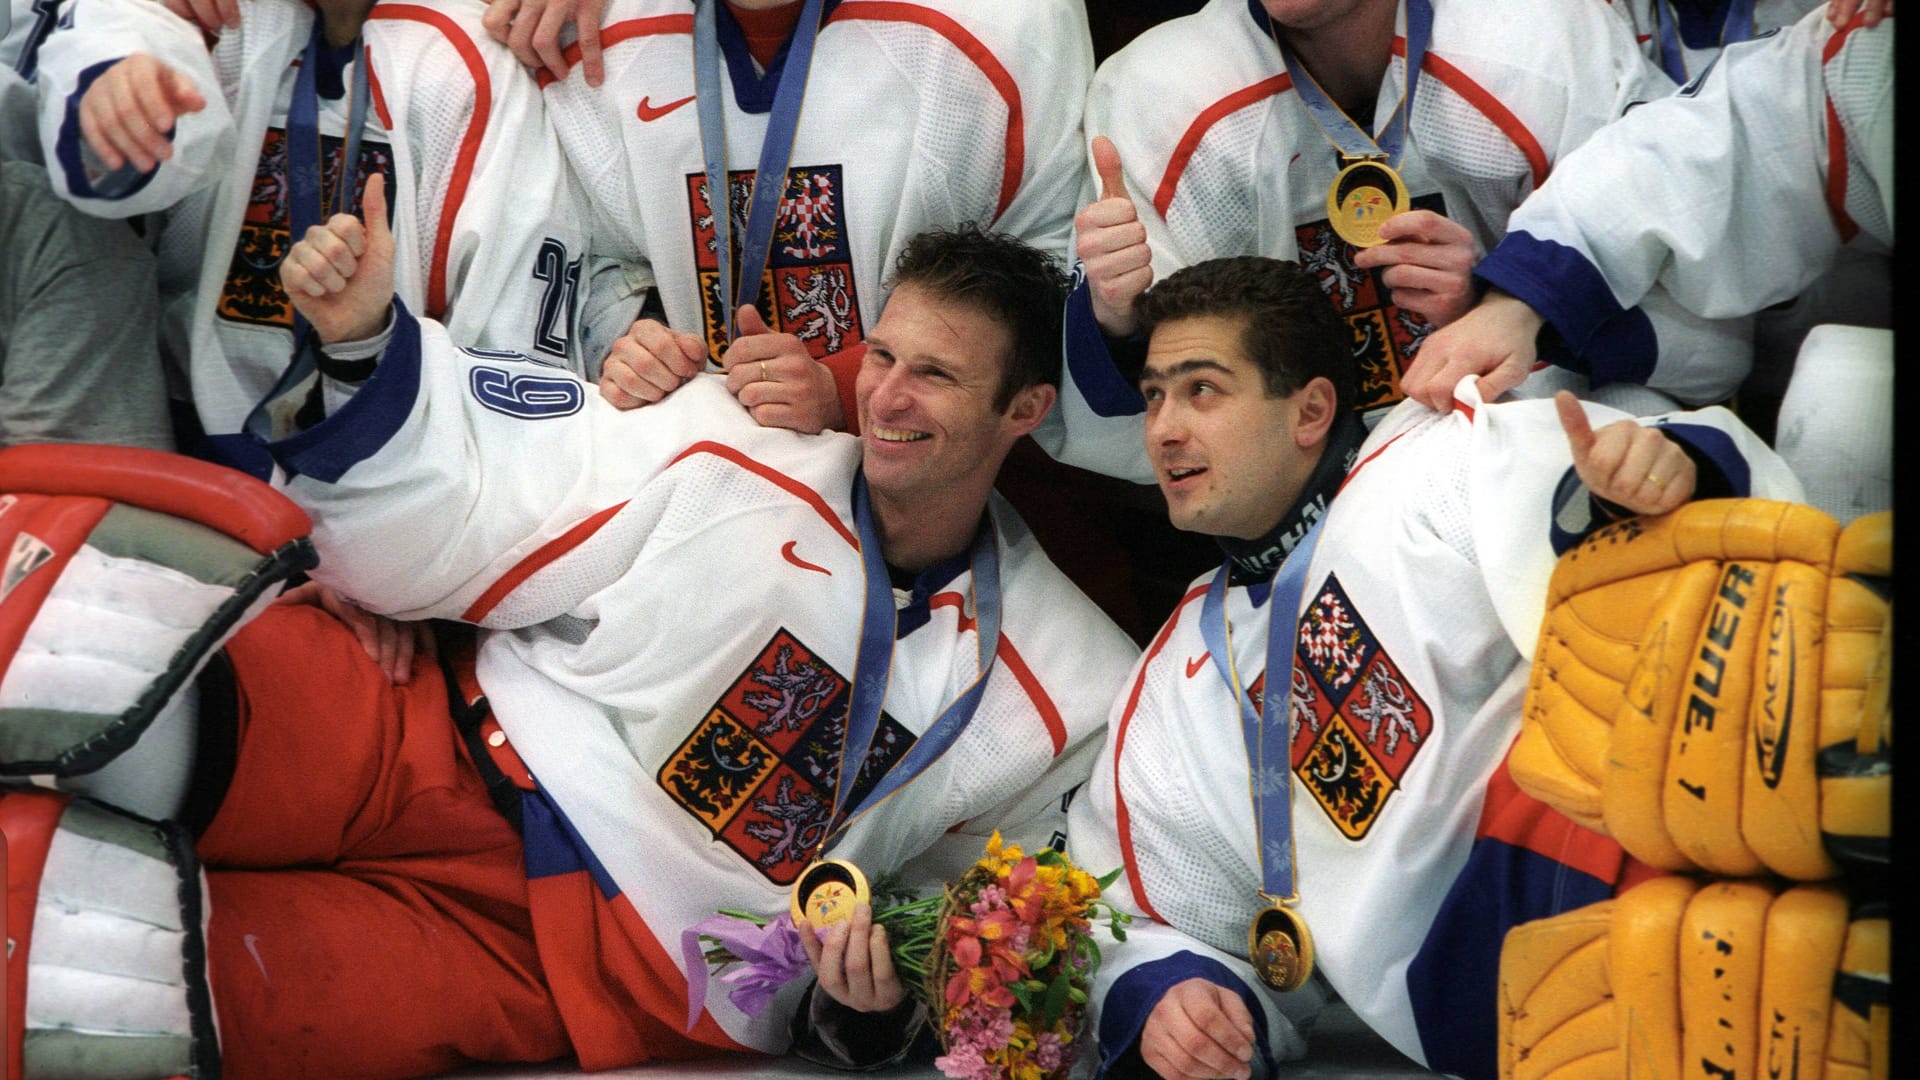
(450, 467)
(95, 35)
(1733, 194)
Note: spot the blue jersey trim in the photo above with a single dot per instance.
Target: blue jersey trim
(369, 419)
(1090, 362)
(1721, 470)
(1610, 343)
(753, 91)
(118, 184)
(554, 846)
(1124, 1012)
(1454, 980)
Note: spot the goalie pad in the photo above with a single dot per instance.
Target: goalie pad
(1704, 689)
(1673, 978)
(106, 944)
(125, 570)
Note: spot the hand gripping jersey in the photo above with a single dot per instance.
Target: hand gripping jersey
(1414, 851)
(921, 114)
(1744, 186)
(683, 726)
(480, 195)
(1222, 158)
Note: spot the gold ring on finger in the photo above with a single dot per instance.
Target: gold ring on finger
(764, 377)
(1652, 479)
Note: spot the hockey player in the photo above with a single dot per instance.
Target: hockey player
(1373, 820)
(139, 115)
(1237, 130)
(916, 115)
(671, 741)
(1801, 123)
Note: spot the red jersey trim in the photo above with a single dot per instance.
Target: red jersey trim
(625, 30)
(793, 487)
(1514, 817)
(1189, 142)
(1460, 83)
(876, 11)
(1121, 818)
(469, 142)
(1017, 664)
(537, 562)
(1837, 144)
(976, 51)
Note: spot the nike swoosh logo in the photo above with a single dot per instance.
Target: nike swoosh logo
(252, 942)
(1194, 665)
(648, 113)
(786, 552)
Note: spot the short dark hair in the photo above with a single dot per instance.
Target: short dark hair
(1288, 327)
(1002, 277)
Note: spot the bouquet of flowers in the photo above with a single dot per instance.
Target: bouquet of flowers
(1002, 959)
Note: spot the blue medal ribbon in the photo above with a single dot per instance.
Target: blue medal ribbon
(741, 285)
(306, 198)
(1736, 25)
(1269, 760)
(875, 661)
(1353, 142)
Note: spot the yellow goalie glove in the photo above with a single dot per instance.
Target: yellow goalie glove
(1710, 689)
(1727, 979)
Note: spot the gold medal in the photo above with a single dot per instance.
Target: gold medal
(1280, 948)
(1362, 197)
(827, 893)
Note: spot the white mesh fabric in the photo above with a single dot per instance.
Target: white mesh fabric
(1442, 486)
(1214, 202)
(1197, 881)
(589, 132)
(107, 628)
(435, 122)
(969, 113)
(1480, 158)
(1859, 84)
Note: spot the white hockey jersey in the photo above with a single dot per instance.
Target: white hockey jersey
(1418, 612)
(23, 28)
(1697, 35)
(1745, 185)
(921, 114)
(482, 202)
(675, 600)
(1221, 157)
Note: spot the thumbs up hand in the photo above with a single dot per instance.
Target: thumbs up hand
(1112, 246)
(340, 275)
(1625, 463)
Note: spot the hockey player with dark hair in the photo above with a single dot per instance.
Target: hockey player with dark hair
(1350, 828)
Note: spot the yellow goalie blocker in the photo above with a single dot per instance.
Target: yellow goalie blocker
(1674, 978)
(1711, 689)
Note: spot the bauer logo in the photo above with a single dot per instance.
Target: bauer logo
(525, 397)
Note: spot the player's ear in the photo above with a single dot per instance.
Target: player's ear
(1315, 406)
(1030, 406)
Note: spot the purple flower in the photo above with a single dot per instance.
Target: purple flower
(771, 956)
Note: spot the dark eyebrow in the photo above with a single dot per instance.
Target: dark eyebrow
(1184, 367)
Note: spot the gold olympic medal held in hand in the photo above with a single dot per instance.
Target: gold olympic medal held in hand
(1362, 197)
(1280, 948)
(827, 893)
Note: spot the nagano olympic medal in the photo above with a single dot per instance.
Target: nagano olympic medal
(827, 893)
(1280, 948)
(1362, 198)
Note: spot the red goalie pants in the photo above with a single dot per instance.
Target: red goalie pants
(368, 905)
